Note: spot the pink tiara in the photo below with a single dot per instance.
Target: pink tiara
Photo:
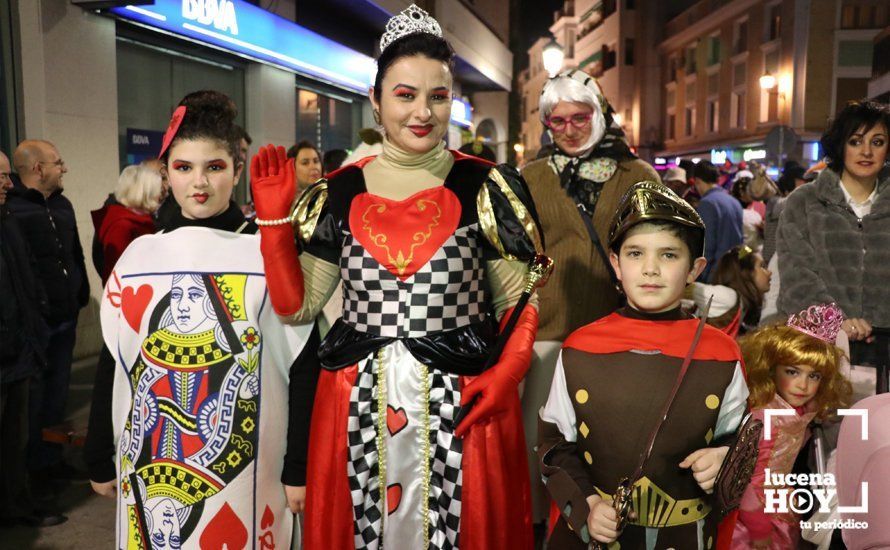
(822, 321)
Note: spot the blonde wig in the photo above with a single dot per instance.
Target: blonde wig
(775, 346)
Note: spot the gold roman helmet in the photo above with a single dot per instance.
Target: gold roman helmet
(651, 201)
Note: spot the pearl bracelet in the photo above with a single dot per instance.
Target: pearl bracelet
(280, 221)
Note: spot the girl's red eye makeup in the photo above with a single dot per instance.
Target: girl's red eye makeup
(177, 164)
(403, 91)
(221, 164)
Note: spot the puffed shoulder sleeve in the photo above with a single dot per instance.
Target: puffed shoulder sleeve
(316, 229)
(507, 215)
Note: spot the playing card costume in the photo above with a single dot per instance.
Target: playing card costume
(611, 381)
(202, 372)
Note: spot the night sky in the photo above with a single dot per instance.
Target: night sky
(536, 17)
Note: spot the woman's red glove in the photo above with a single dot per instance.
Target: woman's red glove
(272, 183)
(273, 188)
(499, 384)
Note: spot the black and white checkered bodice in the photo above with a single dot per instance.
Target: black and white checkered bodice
(447, 293)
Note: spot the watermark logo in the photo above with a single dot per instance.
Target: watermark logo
(805, 493)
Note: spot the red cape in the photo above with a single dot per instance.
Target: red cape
(616, 333)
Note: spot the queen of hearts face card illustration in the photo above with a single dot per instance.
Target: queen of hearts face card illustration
(202, 367)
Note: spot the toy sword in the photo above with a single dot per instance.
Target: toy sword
(622, 500)
(539, 270)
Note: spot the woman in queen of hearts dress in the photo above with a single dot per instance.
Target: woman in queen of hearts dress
(431, 247)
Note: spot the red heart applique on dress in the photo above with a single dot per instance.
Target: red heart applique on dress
(134, 303)
(403, 235)
(393, 497)
(225, 530)
(396, 419)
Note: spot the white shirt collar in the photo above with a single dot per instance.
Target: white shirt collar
(856, 206)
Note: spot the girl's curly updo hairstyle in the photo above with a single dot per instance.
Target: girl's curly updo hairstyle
(419, 43)
(863, 114)
(776, 346)
(209, 115)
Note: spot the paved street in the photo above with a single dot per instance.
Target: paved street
(90, 517)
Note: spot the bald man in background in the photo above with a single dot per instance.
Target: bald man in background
(24, 336)
(48, 223)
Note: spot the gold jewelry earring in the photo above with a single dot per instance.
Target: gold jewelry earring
(377, 116)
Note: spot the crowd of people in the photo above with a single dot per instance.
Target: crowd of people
(376, 341)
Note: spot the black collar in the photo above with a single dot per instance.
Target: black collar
(231, 219)
(675, 314)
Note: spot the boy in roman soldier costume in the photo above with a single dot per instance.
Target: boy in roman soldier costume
(642, 398)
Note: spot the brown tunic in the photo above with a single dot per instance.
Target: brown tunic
(580, 289)
(618, 374)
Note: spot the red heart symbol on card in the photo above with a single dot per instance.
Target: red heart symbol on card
(396, 419)
(403, 235)
(133, 304)
(393, 497)
(225, 530)
(268, 518)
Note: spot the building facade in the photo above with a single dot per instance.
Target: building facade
(715, 103)
(612, 40)
(879, 85)
(691, 88)
(530, 82)
(101, 83)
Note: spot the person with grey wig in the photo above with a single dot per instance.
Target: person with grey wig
(576, 189)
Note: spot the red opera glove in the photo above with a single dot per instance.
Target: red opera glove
(273, 188)
(499, 384)
(272, 183)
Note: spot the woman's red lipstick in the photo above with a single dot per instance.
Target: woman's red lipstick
(201, 197)
(421, 131)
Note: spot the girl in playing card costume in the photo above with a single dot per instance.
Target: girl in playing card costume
(793, 367)
(431, 247)
(210, 398)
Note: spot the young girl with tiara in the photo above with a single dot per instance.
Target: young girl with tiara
(794, 367)
(203, 396)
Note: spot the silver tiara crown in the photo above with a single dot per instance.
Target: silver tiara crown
(411, 20)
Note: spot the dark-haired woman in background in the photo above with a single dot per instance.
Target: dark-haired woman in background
(307, 164)
(201, 399)
(833, 240)
(431, 247)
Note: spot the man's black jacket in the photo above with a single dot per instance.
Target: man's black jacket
(50, 228)
(23, 331)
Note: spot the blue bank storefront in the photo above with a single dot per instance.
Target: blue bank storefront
(169, 48)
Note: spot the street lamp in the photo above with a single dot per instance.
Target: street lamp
(553, 57)
(767, 81)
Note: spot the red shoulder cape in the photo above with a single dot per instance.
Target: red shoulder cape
(616, 333)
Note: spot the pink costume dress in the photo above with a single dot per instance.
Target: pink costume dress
(789, 433)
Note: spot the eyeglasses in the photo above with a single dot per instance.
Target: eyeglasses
(558, 123)
(58, 163)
